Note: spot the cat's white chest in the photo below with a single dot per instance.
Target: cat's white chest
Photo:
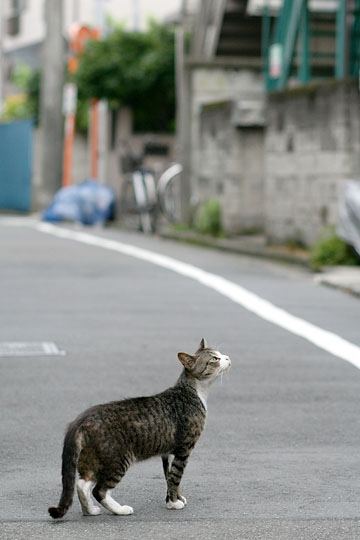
(202, 395)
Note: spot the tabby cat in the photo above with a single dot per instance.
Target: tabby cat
(106, 439)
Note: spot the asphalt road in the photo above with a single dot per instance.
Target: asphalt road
(280, 456)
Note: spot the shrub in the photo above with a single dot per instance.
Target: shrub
(16, 107)
(208, 218)
(134, 69)
(332, 250)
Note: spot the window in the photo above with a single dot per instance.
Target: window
(14, 18)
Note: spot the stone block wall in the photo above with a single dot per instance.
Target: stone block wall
(231, 168)
(312, 144)
(226, 161)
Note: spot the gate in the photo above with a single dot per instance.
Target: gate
(15, 165)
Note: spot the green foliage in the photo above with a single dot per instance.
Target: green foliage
(21, 76)
(82, 115)
(134, 69)
(25, 104)
(30, 83)
(33, 94)
(208, 218)
(330, 251)
(15, 108)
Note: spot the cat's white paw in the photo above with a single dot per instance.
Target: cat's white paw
(84, 488)
(92, 511)
(177, 505)
(125, 510)
(120, 510)
(183, 499)
(115, 508)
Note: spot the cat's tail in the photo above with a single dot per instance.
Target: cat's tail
(70, 455)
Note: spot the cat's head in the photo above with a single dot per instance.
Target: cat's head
(206, 363)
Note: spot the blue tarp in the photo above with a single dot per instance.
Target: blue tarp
(88, 202)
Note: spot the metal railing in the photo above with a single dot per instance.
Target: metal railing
(302, 43)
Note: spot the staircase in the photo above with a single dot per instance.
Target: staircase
(240, 35)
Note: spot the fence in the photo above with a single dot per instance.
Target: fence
(15, 165)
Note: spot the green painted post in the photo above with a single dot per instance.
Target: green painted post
(341, 60)
(265, 45)
(304, 66)
(291, 34)
(280, 37)
(355, 42)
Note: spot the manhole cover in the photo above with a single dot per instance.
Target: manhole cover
(20, 348)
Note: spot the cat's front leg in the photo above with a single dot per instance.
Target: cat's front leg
(166, 467)
(181, 497)
(174, 499)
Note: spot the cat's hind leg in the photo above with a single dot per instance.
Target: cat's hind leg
(87, 465)
(101, 493)
(83, 488)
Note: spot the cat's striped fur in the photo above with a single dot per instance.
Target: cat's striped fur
(106, 439)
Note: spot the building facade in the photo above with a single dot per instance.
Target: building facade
(226, 113)
(24, 21)
(274, 122)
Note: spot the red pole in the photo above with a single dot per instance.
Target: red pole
(94, 138)
(79, 36)
(68, 149)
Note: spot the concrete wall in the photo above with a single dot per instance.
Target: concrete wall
(231, 168)
(312, 145)
(227, 161)
(127, 145)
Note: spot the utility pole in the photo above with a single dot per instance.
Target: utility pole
(136, 15)
(99, 115)
(183, 117)
(1, 55)
(51, 117)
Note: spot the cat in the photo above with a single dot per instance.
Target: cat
(106, 439)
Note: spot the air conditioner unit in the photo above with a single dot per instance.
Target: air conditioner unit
(248, 113)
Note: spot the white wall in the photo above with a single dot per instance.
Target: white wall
(32, 27)
(87, 12)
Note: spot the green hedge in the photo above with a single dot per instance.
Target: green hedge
(331, 250)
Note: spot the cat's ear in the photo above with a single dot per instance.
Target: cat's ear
(187, 360)
(203, 344)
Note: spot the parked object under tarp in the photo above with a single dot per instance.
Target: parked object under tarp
(349, 214)
(88, 202)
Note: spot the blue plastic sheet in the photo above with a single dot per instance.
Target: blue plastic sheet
(88, 202)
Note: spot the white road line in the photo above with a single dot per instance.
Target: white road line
(328, 341)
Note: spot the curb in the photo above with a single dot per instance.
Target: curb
(342, 288)
(275, 253)
(334, 279)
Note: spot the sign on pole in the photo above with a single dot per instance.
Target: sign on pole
(275, 60)
(69, 99)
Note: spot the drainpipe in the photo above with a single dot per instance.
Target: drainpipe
(183, 121)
